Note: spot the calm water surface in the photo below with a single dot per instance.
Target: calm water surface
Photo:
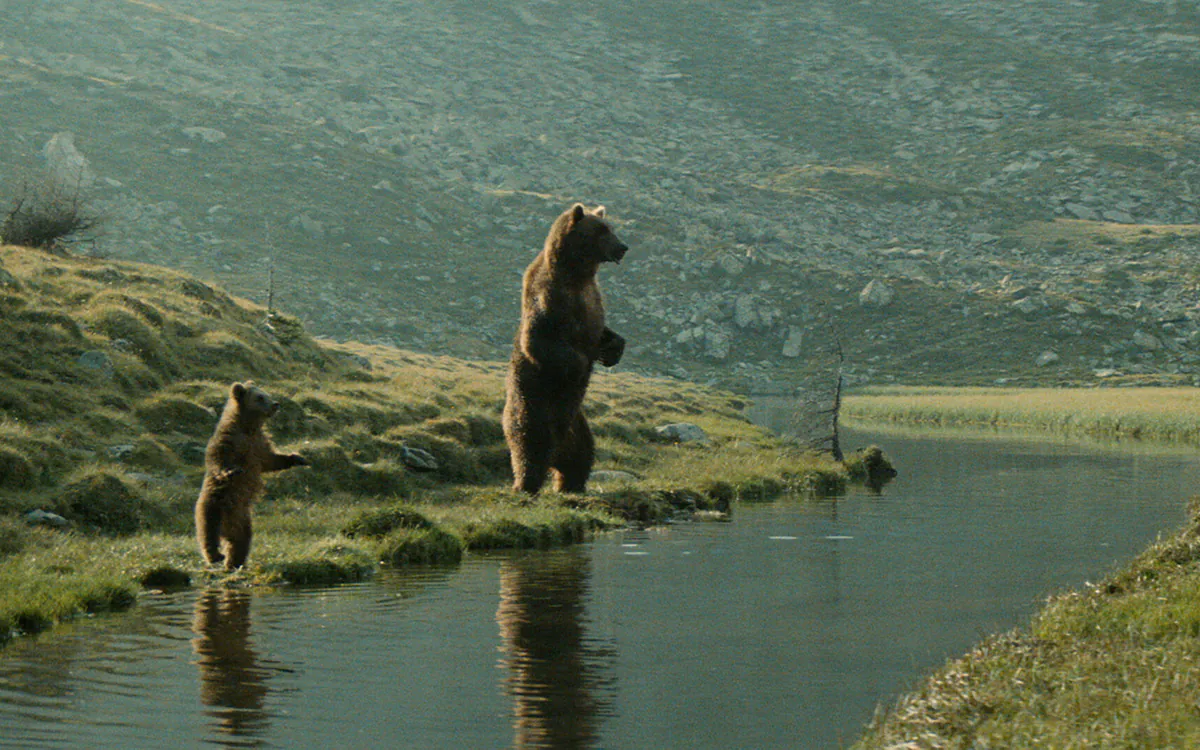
(784, 628)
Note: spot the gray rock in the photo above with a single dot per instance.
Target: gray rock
(120, 452)
(1047, 358)
(1146, 341)
(611, 476)
(418, 459)
(716, 344)
(683, 432)
(794, 343)
(731, 265)
(744, 314)
(1027, 305)
(68, 166)
(1080, 211)
(308, 225)
(45, 518)
(876, 294)
(99, 362)
(208, 135)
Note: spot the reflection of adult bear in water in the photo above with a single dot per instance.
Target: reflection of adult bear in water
(562, 335)
(231, 681)
(560, 681)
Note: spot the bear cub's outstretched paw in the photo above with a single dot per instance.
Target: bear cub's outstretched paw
(612, 346)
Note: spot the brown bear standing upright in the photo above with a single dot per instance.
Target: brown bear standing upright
(562, 335)
(238, 454)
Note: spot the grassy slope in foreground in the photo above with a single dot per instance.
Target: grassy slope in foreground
(1116, 665)
(111, 379)
(1164, 414)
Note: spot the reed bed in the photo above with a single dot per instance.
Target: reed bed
(1159, 414)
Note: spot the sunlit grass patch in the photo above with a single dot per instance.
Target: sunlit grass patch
(379, 522)
(306, 562)
(737, 471)
(430, 545)
(1166, 414)
(549, 521)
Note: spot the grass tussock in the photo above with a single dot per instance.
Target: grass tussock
(1162, 414)
(112, 377)
(1114, 665)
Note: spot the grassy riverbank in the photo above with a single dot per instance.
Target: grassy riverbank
(1114, 665)
(111, 379)
(1162, 414)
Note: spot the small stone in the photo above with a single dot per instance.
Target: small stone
(683, 432)
(1027, 305)
(208, 135)
(45, 518)
(611, 476)
(418, 459)
(120, 452)
(1080, 211)
(98, 362)
(1146, 341)
(876, 294)
(795, 341)
(1047, 358)
(717, 344)
(744, 314)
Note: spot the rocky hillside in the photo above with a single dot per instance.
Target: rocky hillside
(967, 192)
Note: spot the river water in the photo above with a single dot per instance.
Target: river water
(784, 628)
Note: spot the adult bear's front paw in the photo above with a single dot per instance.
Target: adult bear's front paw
(612, 346)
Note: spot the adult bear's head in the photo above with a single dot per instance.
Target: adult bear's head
(582, 239)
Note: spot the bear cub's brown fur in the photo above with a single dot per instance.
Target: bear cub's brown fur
(561, 336)
(238, 454)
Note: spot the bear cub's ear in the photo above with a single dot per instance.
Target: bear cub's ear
(238, 391)
(599, 212)
(577, 212)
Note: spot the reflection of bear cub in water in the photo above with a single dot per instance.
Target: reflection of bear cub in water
(238, 454)
(562, 335)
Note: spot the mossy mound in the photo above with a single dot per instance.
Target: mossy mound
(420, 546)
(106, 502)
(379, 522)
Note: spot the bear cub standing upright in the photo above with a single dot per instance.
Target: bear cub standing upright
(238, 454)
(562, 334)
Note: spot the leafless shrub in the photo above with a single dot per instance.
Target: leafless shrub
(46, 215)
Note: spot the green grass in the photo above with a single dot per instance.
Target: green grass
(111, 379)
(1162, 414)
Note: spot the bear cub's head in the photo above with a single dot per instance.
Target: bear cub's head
(585, 237)
(252, 402)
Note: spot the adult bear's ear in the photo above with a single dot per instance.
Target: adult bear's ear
(237, 391)
(577, 212)
(599, 212)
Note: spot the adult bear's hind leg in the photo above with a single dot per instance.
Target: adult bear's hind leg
(573, 459)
